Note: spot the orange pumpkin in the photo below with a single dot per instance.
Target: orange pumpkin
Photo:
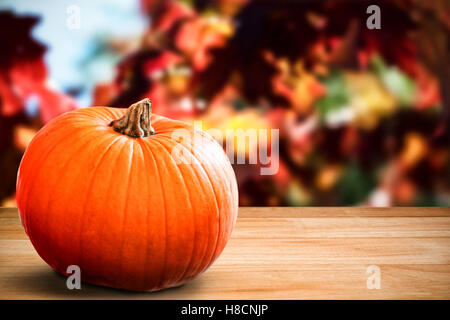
(104, 189)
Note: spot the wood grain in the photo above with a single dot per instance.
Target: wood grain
(278, 253)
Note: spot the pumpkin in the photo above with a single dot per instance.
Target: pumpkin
(126, 197)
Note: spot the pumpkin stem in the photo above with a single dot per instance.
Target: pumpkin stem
(136, 122)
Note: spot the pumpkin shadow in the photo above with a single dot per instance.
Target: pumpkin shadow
(45, 283)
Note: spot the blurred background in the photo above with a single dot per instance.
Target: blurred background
(363, 114)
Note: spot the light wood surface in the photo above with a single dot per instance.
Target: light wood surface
(278, 253)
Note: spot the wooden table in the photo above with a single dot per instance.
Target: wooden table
(279, 253)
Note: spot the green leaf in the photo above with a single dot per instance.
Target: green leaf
(397, 82)
(355, 185)
(337, 94)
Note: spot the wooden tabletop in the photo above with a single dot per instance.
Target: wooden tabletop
(279, 253)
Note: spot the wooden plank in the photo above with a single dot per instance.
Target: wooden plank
(333, 281)
(326, 212)
(318, 212)
(367, 227)
(288, 253)
(306, 253)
